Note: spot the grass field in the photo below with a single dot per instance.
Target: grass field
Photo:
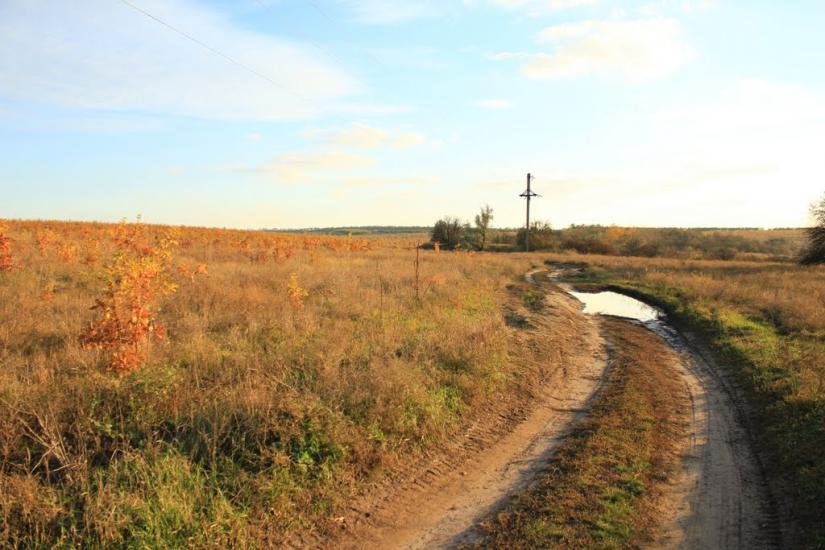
(292, 370)
(184, 387)
(767, 323)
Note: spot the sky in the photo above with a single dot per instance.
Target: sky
(315, 113)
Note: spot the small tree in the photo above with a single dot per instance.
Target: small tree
(815, 252)
(483, 219)
(448, 231)
(136, 277)
(542, 236)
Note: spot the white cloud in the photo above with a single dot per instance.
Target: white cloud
(389, 12)
(98, 55)
(302, 166)
(536, 7)
(378, 181)
(751, 104)
(495, 104)
(364, 136)
(697, 5)
(254, 136)
(634, 49)
(384, 12)
(333, 155)
(659, 7)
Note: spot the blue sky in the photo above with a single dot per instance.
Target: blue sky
(361, 112)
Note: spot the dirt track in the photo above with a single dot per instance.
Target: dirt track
(437, 504)
(718, 499)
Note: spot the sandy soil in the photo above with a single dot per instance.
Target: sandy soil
(719, 499)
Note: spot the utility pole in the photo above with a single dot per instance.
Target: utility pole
(528, 195)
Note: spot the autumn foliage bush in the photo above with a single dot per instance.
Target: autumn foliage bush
(137, 276)
(6, 259)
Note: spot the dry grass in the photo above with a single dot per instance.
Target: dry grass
(258, 414)
(787, 294)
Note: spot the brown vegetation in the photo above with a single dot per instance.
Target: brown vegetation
(814, 252)
(695, 244)
(294, 369)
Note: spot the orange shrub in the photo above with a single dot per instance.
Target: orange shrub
(136, 277)
(48, 292)
(43, 239)
(296, 293)
(67, 252)
(6, 259)
(191, 272)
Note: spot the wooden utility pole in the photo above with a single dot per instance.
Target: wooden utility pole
(417, 286)
(528, 195)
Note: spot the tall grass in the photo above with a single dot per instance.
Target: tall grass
(260, 412)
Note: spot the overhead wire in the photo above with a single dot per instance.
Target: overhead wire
(332, 20)
(316, 45)
(215, 51)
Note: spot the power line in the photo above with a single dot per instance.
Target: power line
(317, 46)
(213, 50)
(318, 8)
(329, 17)
(332, 20)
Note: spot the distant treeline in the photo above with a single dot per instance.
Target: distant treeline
(670, 242)
(720, 244)
(359, 230)
(695, 243)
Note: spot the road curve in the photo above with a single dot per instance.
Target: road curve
(720, 498)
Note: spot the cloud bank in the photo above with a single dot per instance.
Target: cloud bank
(633, 49)
(99, 55)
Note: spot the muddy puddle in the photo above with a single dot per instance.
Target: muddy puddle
(619, 305)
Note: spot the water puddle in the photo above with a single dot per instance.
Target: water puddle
(613, 303)
(619, 305)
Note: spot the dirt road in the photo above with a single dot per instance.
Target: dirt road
(718, 499)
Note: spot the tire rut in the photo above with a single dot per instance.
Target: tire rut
(721, 499)
(436, 502)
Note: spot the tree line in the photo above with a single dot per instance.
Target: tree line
(451, 233)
